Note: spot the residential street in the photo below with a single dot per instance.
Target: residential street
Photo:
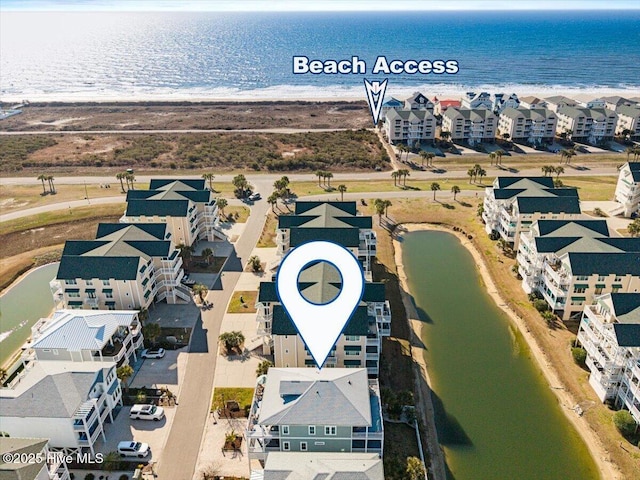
(183, 445)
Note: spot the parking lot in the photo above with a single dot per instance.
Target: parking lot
(163, 372)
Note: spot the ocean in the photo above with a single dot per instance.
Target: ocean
(98, 55)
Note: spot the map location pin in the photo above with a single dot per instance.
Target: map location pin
(320, 325)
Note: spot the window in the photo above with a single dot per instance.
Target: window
(303, 446)
(330, 430)
(89, 282)
(70, 282)
(312, 429)
(601, 278)
(579, 290)
(286, 446)
(105, 282)
(285, 429)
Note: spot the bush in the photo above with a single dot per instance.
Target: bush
(540, 305)
(579, 355)
(89, 476)
(625, 423)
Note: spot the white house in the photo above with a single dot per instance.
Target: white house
(559, 101)
(474, 101)
(532, 103)
(610, 333)
(289, 412)
(67, 402)
(628, 188)
(501, 102)
(418, 101)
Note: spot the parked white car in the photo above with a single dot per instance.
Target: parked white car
(146, 412)
(153, 353)
(133, 449)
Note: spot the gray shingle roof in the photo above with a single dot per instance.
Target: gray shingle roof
(346, 390)
(18, 470)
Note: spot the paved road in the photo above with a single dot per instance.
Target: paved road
(181, 450)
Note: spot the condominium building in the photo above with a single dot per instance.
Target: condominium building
(576, 278)
(391, 104)
(359, 344)
(541, 249)
(628, 188)
(67, 402)
(418, 101)
(534, 126)
(337, 222)
(320, 465)
(512, 204)
(610, 333)
(126, 267)
(473, 101)
(185, 205)
(628, 120)
(289, 412)
(88, 336)
(615, 101)
(471, 126)
(591, 125)
(410, 126)
(39, 464)
(594, 103)
(559, 101)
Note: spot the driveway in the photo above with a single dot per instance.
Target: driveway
(163, 372)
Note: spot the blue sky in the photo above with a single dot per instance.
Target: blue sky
(304, 5)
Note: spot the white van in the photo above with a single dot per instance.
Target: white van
(146, 412)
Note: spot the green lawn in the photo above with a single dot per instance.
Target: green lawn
(243, 396)
(249, 305)
(237, 214)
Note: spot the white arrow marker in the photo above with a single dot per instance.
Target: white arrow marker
(375, 96)
(320, 325)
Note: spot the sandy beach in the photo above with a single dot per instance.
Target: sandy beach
(608, 470)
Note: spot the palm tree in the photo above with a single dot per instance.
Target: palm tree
(435, 186)
(634, 228)
(221, 203)
(241, 184)
(319, 174)
(430, 157)
(120, 176)
(476, 171)
(387, 204)
(51, 187)
(546, 169)
(42, 177)
(570, 153)
(482, 172)
(151, 331)
(200, 290)
(273, 201)
(401, 149)
(186, 251)
(455, 190)
(380, 207)
(342, 189)
(471, 172)
(395, 174)
(124, 373)
(405, 173)
(492, 157)
(130, 178)
(499, 154)
(445, 135)
(207, 254)
(328, 176)
(423, 156)
(256, 263)
(209, 177)
(232, 340)
(558, 170)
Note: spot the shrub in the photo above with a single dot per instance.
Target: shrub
(89, 476)
(625, 423)
(540, 305)
(579, 355)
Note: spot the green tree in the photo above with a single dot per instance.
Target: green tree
(430, 157)
(415, 469)
(579, 355)
(455, 190)
(255, 263)
(207, 254)
(130, 179)
(404, 173)
(232, 340)
(209, 178)
(492, 157)
(186, 252)
(634, 228)
(121, 176)
(499, 154)
(328, 176)
(241, 184)
(263, 367)
(558, 171)
(151, 331)
(221, 203)
(380, 208)
(482, 173)
(435, 186)
(423, 157)
(471, 173)
(319, 174)
(124, 373)
(42, 177)
(273, 201)
(50, 179)
(342, 188)
(200, 290)
(111, 461)
(625, 423)
(395, 175)
(387, 204)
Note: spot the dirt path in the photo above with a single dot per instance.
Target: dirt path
(608, 470)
